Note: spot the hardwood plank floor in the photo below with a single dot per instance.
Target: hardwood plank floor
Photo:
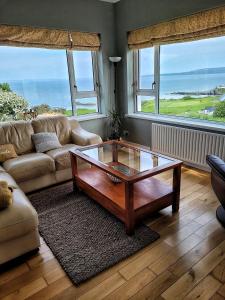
(187, 262)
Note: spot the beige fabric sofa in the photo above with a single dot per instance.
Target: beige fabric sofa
(31, 171)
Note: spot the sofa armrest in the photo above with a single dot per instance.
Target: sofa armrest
(1, 169)
(82, 137)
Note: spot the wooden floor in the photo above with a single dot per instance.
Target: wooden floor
(187, 262)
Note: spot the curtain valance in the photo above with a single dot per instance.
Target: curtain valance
(48, 38)
(202, 25)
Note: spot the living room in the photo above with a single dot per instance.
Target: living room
(112, 149)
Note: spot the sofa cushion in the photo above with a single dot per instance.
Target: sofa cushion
(45, 141)
(19, 134)
(58, 124)
(18, 219)
(61, 156)
(7, 151)
(29, 166)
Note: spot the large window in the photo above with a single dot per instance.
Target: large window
(188, 79)
(86, 82)
(144, 68)
(47, 82)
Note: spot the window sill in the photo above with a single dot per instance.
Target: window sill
(88, 117)
(179, 121)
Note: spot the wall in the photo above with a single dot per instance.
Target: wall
(112, 22)
(77, 15)
(133, 14)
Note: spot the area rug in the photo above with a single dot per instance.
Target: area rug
(84, 237)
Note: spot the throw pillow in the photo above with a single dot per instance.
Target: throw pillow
(6, 198)
(7, 151)
(45, 141)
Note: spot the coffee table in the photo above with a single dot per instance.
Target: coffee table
(121, 178)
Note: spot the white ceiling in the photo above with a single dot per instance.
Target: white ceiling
(111, 1)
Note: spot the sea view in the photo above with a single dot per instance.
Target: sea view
(192, 79)
(56, 93)
(170, 84)
(197, 94)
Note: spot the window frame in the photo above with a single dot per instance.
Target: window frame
(156, 93)
(75, 94)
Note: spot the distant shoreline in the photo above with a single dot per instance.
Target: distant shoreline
(217, 91)
(206, 71)
(85, 104)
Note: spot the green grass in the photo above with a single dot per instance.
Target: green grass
(185, 107)
(85, 111)
(80, 111)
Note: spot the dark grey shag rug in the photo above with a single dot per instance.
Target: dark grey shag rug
(84, 237)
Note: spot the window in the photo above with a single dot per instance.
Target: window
(86, 82)
(189, 79)
(144, 69)
(42, 80)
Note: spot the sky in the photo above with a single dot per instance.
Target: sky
(32, 63)
(24, 63)
(182, 57)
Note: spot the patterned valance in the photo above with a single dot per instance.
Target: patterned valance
(85, 41)
(202, 25)
(48, 38)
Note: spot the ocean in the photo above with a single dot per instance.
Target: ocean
(56, 93)
(170, 84)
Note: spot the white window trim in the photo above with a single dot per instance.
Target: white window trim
(75, 94)
(154, 92)
(191, 122)
(89, 117)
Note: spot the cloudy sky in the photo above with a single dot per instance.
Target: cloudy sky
(23, 63)
(182, 57)
(41, 64)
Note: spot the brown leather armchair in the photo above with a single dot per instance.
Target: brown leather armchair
(218, 183)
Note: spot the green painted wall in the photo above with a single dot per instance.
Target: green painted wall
(77, 15)
(112, 22)
(133, 14)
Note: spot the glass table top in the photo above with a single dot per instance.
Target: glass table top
(125, 159)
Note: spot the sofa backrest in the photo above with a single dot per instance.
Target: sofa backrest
(19, 134)
(58, 124)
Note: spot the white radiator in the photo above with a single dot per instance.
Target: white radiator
(189, 145)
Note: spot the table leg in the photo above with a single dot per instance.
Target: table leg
(114, 153)
(129, 209)
(176, 188)
(74, 170)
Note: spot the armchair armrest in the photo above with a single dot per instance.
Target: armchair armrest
(217, 165)
(83, 137)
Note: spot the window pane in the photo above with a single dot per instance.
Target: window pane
(146, 68)
(86, 106)
(83, 70)
(192, 80)
(146, 104)
(39, 77)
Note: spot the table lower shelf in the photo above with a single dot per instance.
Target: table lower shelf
(146, 191)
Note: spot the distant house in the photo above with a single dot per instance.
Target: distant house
(208, 110)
